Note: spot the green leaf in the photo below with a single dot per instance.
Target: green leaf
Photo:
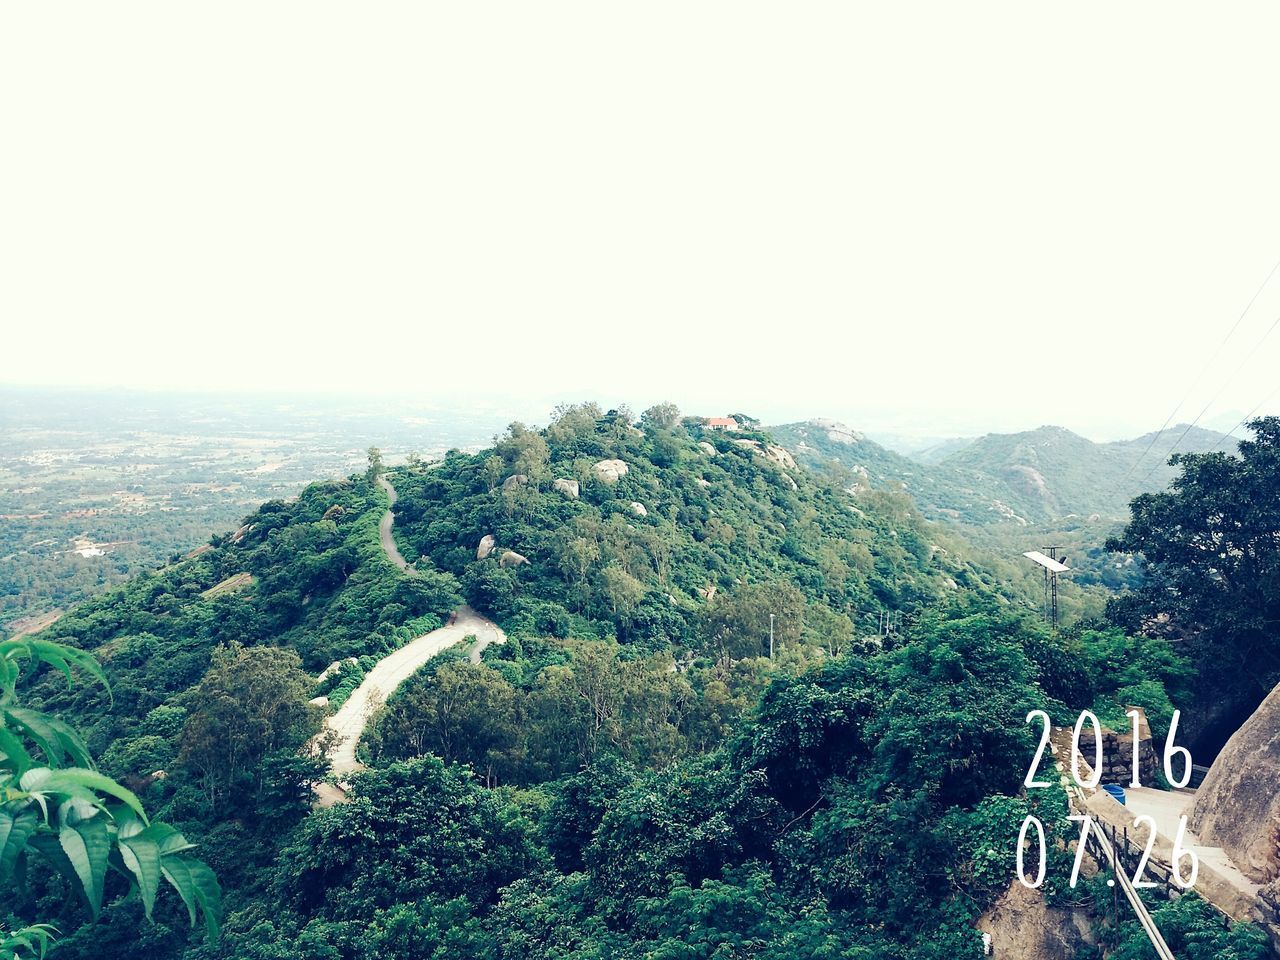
(15, 753)
(48, 846)
(8, 676)
(63, 657)
(170, 840)
(76, 780)
(87, 845)
(38, 728)
(197, 885)
(15, 831)
(141, 854)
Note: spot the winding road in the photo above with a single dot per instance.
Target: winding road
(384, 527)
(395, 668)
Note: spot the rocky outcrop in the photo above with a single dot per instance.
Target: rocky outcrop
(638, 509)
(512, 559)
(568, 487)
(837, 432)
(611, 471)
(486, 546)
(515, 480)
(708, 448)
(1238, 805)
(770, 451)
(1023, 927)
(780, 456)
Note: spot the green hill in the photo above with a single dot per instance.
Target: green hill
(696, 513)
(632, 771)
(1051, 473)
(1035, 477)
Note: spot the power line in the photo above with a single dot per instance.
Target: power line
(1248, 416)
(1200, 376)
(1247, 357)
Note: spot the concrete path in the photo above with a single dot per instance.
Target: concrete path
(392, 670)
(1166, 808)
(384, 528)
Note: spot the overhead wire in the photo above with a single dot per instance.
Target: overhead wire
(1248, 356)
(1200, 376)
(1249, 416)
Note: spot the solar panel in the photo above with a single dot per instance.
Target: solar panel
(1050, 564)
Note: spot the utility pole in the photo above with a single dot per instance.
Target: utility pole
(1052, 566)
(771, 636)
(1052, 579)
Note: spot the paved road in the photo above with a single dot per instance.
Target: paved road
(394, 669)
(1166, 808)
(384, 528)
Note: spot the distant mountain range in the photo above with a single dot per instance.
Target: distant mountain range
(1039, 476)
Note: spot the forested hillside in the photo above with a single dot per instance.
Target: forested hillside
(1008, 493)
(635, 772)
(629, 530)
(1037, 477)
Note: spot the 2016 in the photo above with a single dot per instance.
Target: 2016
(1170, 750)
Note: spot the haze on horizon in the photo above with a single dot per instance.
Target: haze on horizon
(917, 218)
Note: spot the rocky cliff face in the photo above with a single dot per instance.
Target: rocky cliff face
(1023, 927)
(1238, 807)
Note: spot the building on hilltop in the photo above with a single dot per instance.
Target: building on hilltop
(722, 423)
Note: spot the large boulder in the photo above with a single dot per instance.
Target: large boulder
(1238, 805)
(512, 559)
(638, 509)
(611, 471)
(486, 546)
(568, 487)
(708, 448)
(515, 480)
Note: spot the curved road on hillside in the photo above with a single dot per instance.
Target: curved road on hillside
(394, 669)
(384, 528)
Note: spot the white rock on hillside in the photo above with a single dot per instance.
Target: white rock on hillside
(771, 452)
(837, 432)
(568, 487)
(610, 471)
(638, 509)
(708, 448)
(486, 546)
(515, 480)
(512, 559)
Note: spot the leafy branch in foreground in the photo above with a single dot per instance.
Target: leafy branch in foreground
(55, 805)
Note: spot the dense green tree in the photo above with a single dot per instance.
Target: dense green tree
(740, 625)
(375, 468)
(251, 703)
(463, 713)
(1213, 567)
(661, 416)
(414, 830)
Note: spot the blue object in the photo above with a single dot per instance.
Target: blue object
(1116, 791)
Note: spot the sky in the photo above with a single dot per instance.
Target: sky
(927, 218)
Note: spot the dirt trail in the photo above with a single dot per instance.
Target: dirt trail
(394, 669)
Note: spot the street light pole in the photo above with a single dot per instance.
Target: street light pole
(771, 636)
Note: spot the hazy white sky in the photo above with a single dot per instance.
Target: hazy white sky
(933, 217)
